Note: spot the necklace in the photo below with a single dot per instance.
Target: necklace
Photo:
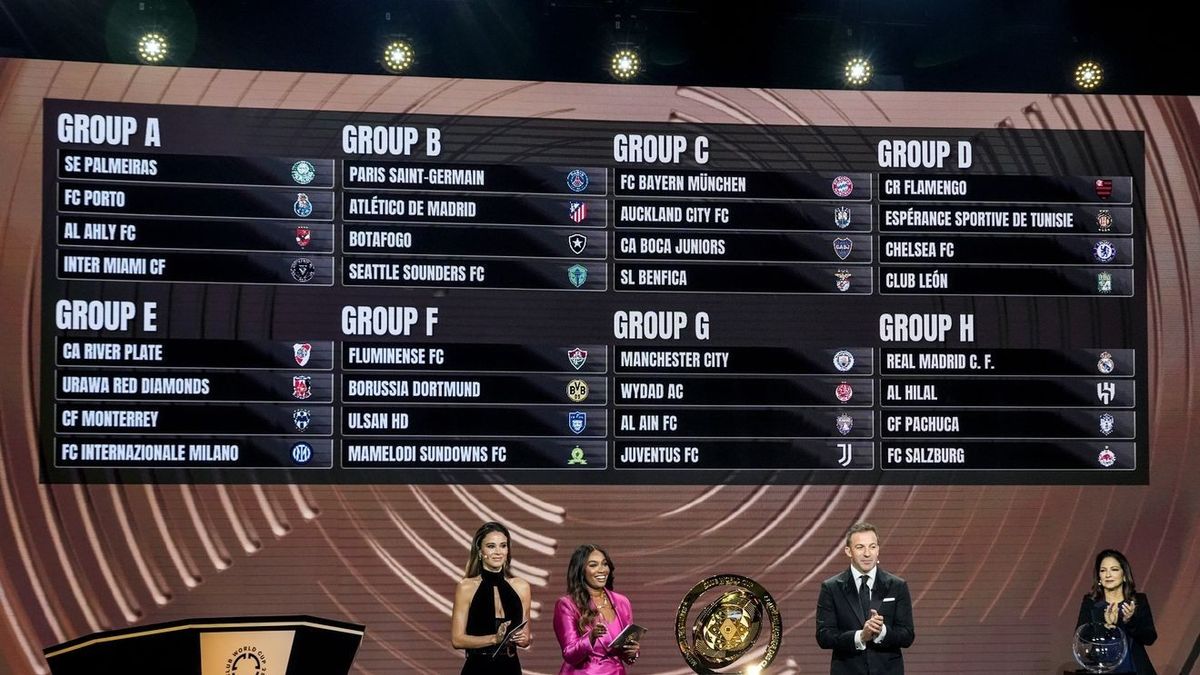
(601, 600)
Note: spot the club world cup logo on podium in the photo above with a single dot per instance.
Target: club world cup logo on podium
(725, 630)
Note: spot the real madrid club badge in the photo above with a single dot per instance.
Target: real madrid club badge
(1106, 364)
(577, 180)
(1104, 282)
(303, 172)
(1104, 251)
(302, 207)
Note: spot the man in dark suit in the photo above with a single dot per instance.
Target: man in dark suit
(864, 614)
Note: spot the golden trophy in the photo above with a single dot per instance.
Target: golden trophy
(727, 628)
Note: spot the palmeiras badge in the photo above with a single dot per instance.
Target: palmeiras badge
(1104, 251)
(1106, 424)
(1107, 457)
(578, 211)
(303, 172)
(842, 246)
(843, 280)
(577, 357)
(843, 360)
(301, 418)
(303, 270)
(576, 421)
(301, 387)
(1104, 220)
(841, 217)
(843, 186)
(1106, 364)
(1104, 282)
(844, 424)
(302, 207)
(577, 180)
(302, 453)
(844, 392)
(577, 242)
(301, 351)
(1104, 188)
(303, 236)
(577, 275)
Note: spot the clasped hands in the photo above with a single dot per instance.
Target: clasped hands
(872, 627)
(1124, 610)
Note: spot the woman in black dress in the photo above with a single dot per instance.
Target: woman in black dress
(489, 602)
(1114, 601)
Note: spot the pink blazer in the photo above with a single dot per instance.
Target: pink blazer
(580, 655)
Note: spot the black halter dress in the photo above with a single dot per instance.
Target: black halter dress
(482, 620)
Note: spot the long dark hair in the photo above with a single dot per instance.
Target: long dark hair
(577, 586)
(475, 561)
(1128, 587)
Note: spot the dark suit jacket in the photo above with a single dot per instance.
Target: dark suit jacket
(839, 616)
(1140, 628)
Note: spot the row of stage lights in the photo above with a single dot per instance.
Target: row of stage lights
(625, 65)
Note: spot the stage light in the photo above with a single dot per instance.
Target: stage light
(398, 56)
(626, 64)
(1088, 75)
(152, 48)
(858, 72)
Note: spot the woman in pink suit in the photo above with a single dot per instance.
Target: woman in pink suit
(590, 615)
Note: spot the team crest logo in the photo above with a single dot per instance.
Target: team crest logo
(303, 172)
(843, 360)
(577, 390)
(577, 180)
(1104, 188)
(302, 351)
(303, 270)
(841, 217)
(578, 211)
(842, 246)
(577, 275)
(844, 424)
(1107, 457)
(302, 207)
(302, 453)
(303, 236)
(1106, 392)
(844, 392)
(301, 387)
(301, 418)
(576, 421)
(1104, 220)
(1104, 282)
(577, 456)
(1106, 424)
(1104, 251)
(577, 242)
(843, 280)
(577, 357)
(1106, 364)
(843, 186)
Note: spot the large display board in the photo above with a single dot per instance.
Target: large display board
(364, 297)
(997, 560)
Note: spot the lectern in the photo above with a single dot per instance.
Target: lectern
(281, 645)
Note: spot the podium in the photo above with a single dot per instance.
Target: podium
(279, 645)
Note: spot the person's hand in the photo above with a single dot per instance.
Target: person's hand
(630, 651)
(873, 626)
(1110, 614)
(598, 630)
(522, 638)
(500, 632)
(1127, 610)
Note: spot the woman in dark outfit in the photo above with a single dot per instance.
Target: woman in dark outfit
(488, 602)
(1114, 601)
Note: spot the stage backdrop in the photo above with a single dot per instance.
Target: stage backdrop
(996, 568)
